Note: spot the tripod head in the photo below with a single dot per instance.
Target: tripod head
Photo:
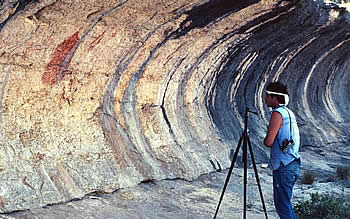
(247, 110)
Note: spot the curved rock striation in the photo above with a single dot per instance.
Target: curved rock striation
(102, 96)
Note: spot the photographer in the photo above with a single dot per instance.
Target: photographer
(283, 138)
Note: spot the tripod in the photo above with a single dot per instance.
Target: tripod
(246, 141)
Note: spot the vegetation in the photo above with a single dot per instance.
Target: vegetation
(308, 178)
(322, 206)
(343, 173)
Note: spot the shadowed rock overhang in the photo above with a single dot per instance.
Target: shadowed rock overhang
(97, 96)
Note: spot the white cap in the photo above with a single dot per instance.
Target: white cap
(286, 97)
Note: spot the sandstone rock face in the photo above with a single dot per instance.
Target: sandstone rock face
(97, 96)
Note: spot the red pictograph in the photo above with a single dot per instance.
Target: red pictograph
(60, 59)
(96, 41)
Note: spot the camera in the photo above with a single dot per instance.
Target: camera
(286, 144)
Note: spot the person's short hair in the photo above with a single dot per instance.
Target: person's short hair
(279, 88)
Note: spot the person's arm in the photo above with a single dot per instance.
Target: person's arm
(275, 124)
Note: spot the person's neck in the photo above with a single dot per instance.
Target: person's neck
(275, 105)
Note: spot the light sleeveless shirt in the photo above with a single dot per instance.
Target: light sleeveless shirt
(277, 155)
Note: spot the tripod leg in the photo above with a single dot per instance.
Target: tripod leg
(245, 172)
(228, 175)
(257, 176)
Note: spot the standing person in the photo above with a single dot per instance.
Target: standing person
(284, 162)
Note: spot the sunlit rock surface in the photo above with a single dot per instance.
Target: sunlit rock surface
(101, 95)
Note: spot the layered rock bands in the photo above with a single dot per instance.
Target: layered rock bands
(102, 95)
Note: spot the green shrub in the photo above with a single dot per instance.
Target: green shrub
(331, 178)
(322, 206)
(308, 178)
(343, 172)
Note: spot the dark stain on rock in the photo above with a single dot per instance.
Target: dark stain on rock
(210, 13)
(20, 6)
